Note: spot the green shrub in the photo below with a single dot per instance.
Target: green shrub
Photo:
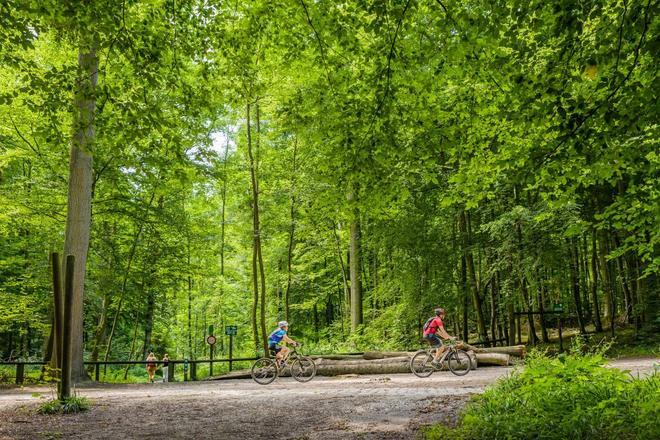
(571, 396)
(71, 405)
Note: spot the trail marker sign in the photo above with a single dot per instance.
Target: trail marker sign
(231, 330)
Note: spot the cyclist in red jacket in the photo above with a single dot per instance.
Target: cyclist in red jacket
(434, 327)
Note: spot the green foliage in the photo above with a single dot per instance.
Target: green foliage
(535, 122)
(570, 396)
(72, 405)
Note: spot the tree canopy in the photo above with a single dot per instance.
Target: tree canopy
(346, 165)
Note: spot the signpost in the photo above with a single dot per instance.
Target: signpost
(231, 331)
(211, 340)
(185, 370)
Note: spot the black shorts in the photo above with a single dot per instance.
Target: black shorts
(434, 340)
(274, 349)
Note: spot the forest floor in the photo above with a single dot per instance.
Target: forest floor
(353, 407)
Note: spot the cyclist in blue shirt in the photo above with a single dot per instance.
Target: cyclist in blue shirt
(276, 337)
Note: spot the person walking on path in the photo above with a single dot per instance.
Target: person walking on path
(166, 370)
(151, 366)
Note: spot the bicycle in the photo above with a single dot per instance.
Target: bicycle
(454, 358)
(267, 369)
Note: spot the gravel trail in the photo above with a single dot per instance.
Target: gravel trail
(344, 407)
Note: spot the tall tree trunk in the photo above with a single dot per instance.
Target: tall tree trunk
(223, 196)
(262, 272)
(466, 229)
(623, 280)
(255, 269)
(101, 330)
(122, 293)
(315, 313)
(510, 312)
(584, 280)
(354, 263)
(607, 279)
(257, 258)
(342, 266)
(466, 302)
(522, 279)
(136, 326)
(493, 309)
(532, 337)
(632, 267)
(190, 343)
(541, 296)
(575, 282)
(148, 320)
(292, 230)
(79, 203)
(594, 284)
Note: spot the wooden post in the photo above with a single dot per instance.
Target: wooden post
(170, 371)
(65, 389)
(57, 314)
(193, 371)
(561, 340)
(96, 372)
(211, 363)
(231, 350)
(519, 329)
(20, 373)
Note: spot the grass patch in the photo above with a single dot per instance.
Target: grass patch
(71, 405)
(570, 396)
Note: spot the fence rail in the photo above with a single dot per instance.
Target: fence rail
(20, 366)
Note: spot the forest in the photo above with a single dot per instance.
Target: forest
(345, 165)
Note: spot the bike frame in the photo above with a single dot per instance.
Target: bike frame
(451, 348)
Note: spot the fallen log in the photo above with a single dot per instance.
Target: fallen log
(473, 359)
(371, 355)
(338, 368)
(388, 363)
(330, 367)
(513, 350)
(500, 359)
(337, 357)
(403, 357)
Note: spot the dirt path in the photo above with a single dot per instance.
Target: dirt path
(364, 407)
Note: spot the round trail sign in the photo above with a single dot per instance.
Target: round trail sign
(210, 339)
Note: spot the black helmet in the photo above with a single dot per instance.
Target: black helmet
(439, 311)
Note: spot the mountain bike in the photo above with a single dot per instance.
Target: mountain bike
(267, 369)
(454, 359)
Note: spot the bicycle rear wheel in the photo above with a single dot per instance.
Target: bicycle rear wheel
(459, 362)
(264, 371)
(420, 364)
(303, 369)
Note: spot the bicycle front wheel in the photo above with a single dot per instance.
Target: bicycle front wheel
(459, 362)
(303, 369)
(420, 364)
(264, 371)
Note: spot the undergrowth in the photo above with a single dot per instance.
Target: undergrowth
(570, 396)
(70, 405)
